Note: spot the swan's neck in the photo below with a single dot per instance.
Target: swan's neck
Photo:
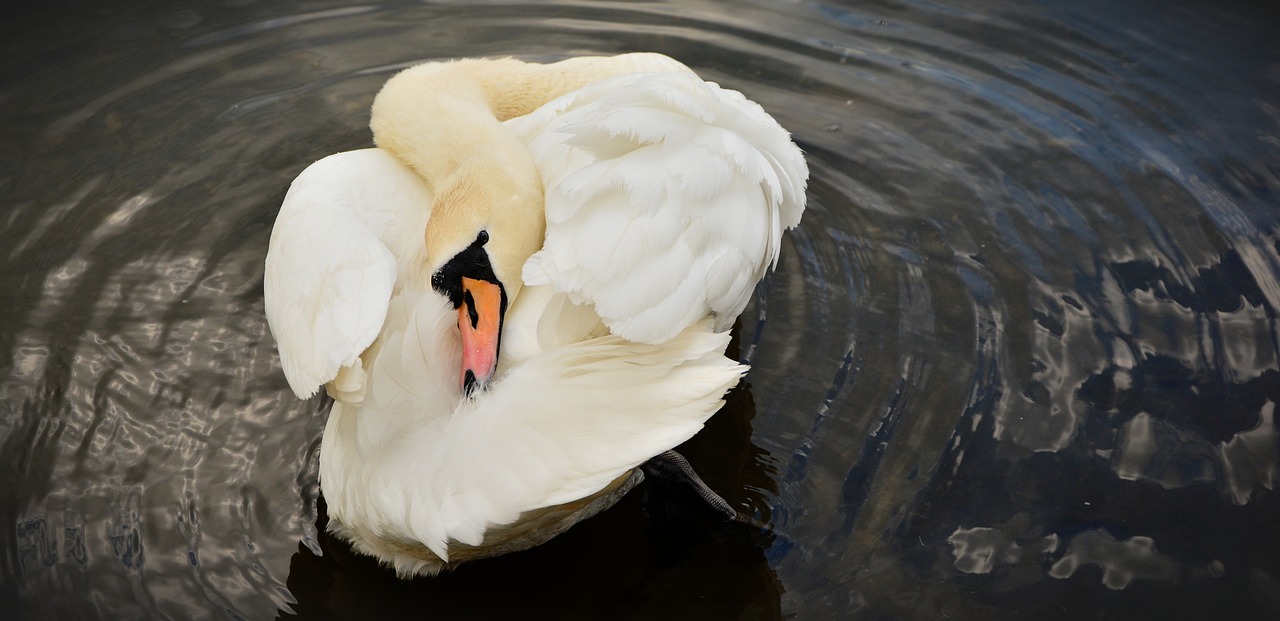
(445, 121)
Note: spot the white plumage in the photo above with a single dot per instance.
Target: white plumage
(665, 201)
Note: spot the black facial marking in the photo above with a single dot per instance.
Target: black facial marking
(473, 262)
(469, 383)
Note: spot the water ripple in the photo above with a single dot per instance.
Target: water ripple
(1020, 359)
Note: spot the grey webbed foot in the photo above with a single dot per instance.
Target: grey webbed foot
(671, 468)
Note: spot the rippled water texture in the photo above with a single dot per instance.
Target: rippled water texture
(1020, 359)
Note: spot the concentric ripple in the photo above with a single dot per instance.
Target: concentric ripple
(1019, 359)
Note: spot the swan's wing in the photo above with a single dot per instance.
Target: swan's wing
(332, 261)
(666, 199)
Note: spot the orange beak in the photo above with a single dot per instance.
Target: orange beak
(480, 322)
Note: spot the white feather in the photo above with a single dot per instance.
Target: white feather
(666, 200)
(557, 427)
(329, 270)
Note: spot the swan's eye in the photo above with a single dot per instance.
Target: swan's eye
(482, 238)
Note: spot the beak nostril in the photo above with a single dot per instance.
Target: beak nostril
(470, 303)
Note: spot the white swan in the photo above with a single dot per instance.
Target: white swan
(501, 358)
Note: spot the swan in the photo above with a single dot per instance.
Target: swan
(522, 293)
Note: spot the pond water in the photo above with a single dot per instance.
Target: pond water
(1019, 359)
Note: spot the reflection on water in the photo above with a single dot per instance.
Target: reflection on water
(1020, 359)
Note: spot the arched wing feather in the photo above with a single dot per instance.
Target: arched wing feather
(666, 199)
(331, 264)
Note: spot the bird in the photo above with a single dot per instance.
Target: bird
(522, 292)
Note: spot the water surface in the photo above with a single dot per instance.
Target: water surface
(1018, 361)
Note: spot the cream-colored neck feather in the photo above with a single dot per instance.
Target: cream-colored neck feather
(445, 120)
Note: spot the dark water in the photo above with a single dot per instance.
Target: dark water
(1019, 360)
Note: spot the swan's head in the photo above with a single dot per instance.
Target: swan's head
(483, 227)
(487, 216)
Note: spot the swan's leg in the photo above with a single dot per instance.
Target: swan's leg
(672, 468)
